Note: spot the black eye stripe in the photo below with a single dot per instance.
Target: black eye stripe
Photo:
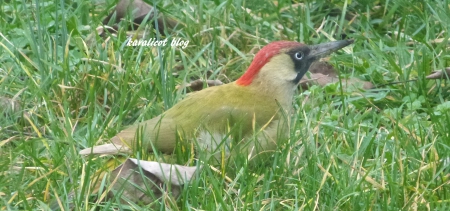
(302, 61)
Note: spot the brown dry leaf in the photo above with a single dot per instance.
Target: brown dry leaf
(157, 180)
(198, 84)
(323, 67)
(440, 74)
(322, 73)
(138, 9)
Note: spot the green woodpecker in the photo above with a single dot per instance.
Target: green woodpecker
(248, 116)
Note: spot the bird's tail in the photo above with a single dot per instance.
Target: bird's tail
(105, 149)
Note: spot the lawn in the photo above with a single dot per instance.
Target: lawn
(64, 88)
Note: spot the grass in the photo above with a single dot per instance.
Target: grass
(381, 149)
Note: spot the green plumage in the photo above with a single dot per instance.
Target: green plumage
(215, 110)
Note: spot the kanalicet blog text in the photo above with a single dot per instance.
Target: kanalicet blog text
(153, 42)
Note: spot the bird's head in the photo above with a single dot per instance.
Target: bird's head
(283, 63)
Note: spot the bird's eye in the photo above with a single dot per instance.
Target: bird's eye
(299, 55)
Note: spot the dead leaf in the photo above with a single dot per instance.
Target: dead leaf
(8, 105)
(322, 73)
(323, 67)
(440, 74)
(157, 179)
(138, 10)
(198, 84)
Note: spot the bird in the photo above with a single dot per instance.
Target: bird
(248, 117)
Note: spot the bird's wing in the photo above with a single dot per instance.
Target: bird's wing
(159, 133)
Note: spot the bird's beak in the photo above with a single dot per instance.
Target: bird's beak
(321, 50)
